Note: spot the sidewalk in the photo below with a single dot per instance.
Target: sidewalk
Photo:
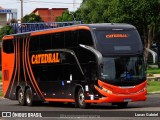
(157, 92)
(155, 77)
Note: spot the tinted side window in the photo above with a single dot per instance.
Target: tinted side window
(85, 38)
(8, 46)
(45, 42)
(34, 43)
(71, 39)
(58, 40)
(72, 68)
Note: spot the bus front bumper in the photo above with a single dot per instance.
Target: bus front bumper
(112, 93)
(111, 98)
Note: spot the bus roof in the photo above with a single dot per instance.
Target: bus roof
(97, 26)
(108, 26)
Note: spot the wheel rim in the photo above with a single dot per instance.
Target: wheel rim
(81, 98)
(20, 97)
(28, 98)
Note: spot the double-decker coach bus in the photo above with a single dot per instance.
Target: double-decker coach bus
(81, 64)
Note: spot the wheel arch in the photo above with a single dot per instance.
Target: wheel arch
(17, 89)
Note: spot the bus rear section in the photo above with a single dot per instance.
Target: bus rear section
(8, 58)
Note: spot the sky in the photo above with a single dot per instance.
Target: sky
(30, 5)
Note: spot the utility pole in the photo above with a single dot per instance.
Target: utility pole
(73, 5)
(21, 9)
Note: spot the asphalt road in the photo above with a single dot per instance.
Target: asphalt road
(152, 105)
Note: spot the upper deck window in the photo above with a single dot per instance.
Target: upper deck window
(85, 37)
(118, 41)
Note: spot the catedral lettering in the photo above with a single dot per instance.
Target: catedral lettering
(117, 36)
(45, 58)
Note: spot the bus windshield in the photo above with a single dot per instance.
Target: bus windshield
(123, 69)
(118, 42)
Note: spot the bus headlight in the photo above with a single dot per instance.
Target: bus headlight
(143, 89)
(106, 90)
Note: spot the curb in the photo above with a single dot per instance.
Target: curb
(1, 97)
(157, 92)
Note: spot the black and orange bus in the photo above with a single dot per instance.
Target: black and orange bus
(81, 64)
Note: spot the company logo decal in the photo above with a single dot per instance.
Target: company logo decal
(45, 58)
(117, 36)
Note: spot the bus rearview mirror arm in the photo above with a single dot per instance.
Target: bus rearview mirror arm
(154, 54)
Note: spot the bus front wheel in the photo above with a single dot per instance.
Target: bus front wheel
(21, 97)
(81, 99)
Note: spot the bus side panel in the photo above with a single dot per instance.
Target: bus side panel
(7, 70)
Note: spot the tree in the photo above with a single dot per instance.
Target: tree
(6, 30)
(144, 14)
(31, 18)
(94, 11)
(66, 16)
(14, 20)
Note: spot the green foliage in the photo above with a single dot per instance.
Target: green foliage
(31, 18)
(66, 16)
(153, 71)
(6, 30)
(144, 14)
(1, 93)
(153, 86)
(14, 21)
(94, 11)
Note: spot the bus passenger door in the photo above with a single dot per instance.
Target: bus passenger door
(66, 81)
(71, 74)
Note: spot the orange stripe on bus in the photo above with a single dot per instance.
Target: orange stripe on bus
(59, 100)
(18, 42)
(59, 30)
(25, 59)
(31, 70)
(100, 100)
(8, 37)
(15, 68)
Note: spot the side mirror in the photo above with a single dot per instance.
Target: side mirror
(154, 54)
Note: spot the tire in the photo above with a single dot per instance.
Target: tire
(81, 98)
(121, 104)
(29, 97)
(21, 97)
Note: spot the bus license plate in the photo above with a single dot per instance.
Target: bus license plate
(127, 100)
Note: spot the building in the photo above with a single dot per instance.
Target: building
(6, 15)
(49, 15)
